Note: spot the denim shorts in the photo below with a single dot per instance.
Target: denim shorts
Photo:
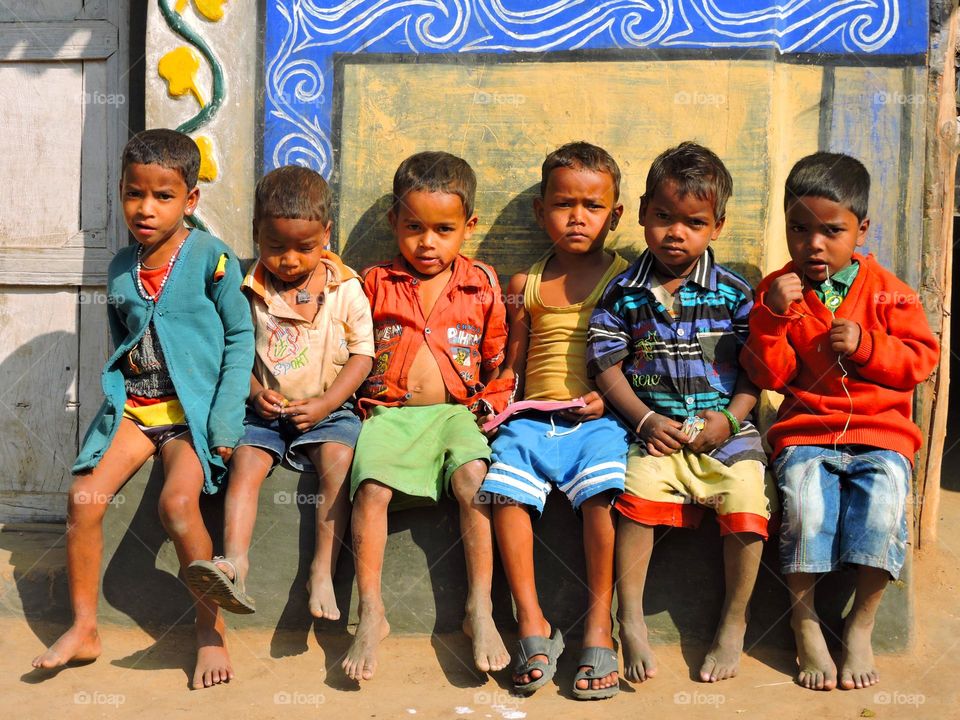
(285, 443)
(842, 506)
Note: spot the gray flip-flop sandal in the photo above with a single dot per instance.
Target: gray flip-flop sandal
(209, 581)
(537, 645)
(600, 662)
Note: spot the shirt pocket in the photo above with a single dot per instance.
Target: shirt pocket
(719, 351)
(339, 353)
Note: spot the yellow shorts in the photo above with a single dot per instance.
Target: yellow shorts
(676, 489)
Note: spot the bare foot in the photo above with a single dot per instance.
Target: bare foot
(857, 669)
(213, 662)
(817, 671)
(639, 661)
(77, 644)
(489, 652)
(323, 601)
(361, 660)
(723, 658)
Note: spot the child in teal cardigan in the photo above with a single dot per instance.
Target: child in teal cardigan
(175, 387)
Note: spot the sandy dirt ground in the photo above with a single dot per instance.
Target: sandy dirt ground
(278, 676)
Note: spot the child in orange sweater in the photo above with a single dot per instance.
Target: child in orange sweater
(846, 342)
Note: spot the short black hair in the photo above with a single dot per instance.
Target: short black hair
(436, 171)
(695, 169)
(293, 191)
(167, 148)
(834, 176)
(584, 156)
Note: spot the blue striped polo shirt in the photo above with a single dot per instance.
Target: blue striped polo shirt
(679, 365)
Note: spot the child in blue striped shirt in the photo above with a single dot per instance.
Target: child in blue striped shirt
(663, 346)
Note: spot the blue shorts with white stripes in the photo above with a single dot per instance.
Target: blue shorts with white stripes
(532, 453)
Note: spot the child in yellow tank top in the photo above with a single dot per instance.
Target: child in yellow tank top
(582, 451)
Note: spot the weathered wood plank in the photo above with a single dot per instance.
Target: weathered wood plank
(94, 337)
(30, 507)
(38, 375)
(936, 288)
(34, 10)
(99, 102)
(59, 266)
(74, 40)
(40, 147)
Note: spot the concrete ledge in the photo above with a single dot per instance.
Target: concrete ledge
(423, 579)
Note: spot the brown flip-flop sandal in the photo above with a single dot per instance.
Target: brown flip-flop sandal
(209, 581)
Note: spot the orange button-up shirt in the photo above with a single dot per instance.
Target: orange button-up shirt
(466, 332)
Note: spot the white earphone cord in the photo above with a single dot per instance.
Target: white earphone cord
(843, 381)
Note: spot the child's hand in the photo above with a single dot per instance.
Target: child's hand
(593, 409)
(715, 432)
(225, 453)
(304, 414)
(268, 404)
(844, 336)
(662, 435)
(784, 291)
(483, 420)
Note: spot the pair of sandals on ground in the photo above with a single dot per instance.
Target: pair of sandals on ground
(207, 579)
(598, 661)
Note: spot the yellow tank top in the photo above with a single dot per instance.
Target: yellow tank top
(556, 355)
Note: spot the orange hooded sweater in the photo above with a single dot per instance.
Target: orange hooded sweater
(791, 354)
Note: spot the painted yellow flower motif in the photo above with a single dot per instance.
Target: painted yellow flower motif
(208, 163)
(179, 68)
(212, 10)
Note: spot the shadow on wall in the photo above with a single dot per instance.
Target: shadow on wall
(371, 239)
(514, 241)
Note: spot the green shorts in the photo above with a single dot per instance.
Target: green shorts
(415, 450)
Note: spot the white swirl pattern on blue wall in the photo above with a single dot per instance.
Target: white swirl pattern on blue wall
(302, 37)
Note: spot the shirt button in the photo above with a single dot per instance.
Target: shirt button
(680, 332)
(689, 401)
(427, 330)
(407, 396)
(415, 281)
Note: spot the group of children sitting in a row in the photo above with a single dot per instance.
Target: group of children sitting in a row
(642, 378)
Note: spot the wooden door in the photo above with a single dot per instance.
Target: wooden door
(64, 121)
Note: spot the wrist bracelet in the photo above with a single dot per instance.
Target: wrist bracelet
(642, 421)
(734, 423)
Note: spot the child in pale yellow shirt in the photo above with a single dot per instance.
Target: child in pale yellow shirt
(314, 347)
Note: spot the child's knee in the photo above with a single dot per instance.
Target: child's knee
(85, 503)
(177, 510)
(249, 461)
(601, 502)
(332, 459)
(466, 480)
(372, 494)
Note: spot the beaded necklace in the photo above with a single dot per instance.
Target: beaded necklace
(140, 266)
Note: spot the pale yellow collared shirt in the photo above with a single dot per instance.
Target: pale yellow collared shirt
(301, 358)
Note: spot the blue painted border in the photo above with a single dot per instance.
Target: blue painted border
(302, 37)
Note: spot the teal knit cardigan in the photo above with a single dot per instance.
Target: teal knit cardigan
(206, 333)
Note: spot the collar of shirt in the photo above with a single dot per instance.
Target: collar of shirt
(461, 278)
(640, 274)
(842, 281)
(337, 272)
(258, 282)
